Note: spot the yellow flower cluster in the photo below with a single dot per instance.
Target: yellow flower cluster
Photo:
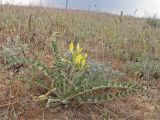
(77, 57)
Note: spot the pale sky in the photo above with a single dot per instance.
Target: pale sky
(144, 7)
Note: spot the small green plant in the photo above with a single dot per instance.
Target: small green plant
(76, 79)
(13, 49)
(145, 68)
(154, 22)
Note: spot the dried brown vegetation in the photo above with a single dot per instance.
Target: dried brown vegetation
(130, 45)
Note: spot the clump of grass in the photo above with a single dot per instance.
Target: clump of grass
(145, 68)
(13, 49)
(154, 21)
(75, 79)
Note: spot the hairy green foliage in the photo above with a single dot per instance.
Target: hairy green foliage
(70, 84)
(145, 68)
(13, 50)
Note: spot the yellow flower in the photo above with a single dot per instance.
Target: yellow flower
(78, 59)
(83, 63)
(78, 48)
(71, 47)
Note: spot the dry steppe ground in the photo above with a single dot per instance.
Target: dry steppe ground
(122, 41)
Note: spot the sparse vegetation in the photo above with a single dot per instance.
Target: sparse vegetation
(145, 68)
(42, 77)
(72, 78)
(154, 22)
